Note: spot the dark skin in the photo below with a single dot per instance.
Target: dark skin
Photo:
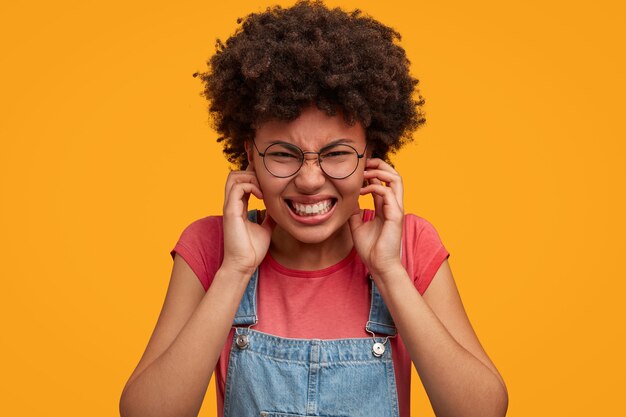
(457, 374)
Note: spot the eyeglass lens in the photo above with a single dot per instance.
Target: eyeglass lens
(337, 161)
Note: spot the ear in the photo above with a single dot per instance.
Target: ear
(249, 147)
(368, 150)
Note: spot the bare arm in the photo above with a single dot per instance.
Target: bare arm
(458, 376)
(174, 372)
(172, 376)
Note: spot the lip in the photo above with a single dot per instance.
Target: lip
(310, 220)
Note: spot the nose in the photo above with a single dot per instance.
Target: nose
(310, 177)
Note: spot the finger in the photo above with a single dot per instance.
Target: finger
(383, 167)
(377, 163)
(391, 179)
(378, 200)
(389, 207)
(241, 176)
(386, 176)
(237, 202)
(379, 190)
(244, 207)
(237, 177)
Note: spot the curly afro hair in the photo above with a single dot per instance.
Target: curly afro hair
(285, 59)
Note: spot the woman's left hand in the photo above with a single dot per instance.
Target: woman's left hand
(378, 241)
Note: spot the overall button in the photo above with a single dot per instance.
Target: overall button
(242, 341)
(378, 349)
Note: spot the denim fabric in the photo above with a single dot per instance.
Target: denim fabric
(271, 376)
(280, 376)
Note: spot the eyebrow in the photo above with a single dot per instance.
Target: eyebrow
(332, 143)
(338, 141)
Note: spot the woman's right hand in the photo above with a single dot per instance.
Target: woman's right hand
(193, 325)
(245, 242)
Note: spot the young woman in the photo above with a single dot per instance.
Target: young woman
(312, 307)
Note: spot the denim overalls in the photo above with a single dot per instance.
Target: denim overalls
(270, 376)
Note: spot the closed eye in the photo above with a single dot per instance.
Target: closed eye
(336, 153)
(282, 155)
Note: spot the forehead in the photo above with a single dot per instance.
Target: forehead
(313, 129)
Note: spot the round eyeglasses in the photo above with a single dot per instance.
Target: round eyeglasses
(338, 161)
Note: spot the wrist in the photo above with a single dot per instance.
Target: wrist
(388, 272)
(235, 271)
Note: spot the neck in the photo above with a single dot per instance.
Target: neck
(294, 254)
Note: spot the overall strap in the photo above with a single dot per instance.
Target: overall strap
(246, 312)
(380, 320)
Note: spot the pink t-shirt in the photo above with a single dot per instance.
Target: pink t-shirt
(331, 303)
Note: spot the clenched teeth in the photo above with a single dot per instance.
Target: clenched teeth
(320, 207)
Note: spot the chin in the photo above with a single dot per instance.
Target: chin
(310, 233)
(311, 237)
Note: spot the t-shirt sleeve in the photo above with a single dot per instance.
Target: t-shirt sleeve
(424, 251)
(201, 246)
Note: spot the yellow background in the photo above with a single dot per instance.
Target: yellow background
(106, 155)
